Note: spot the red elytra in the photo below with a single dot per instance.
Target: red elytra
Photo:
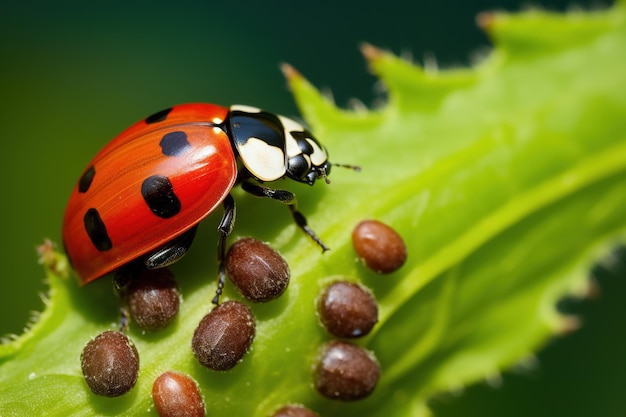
(200, 167)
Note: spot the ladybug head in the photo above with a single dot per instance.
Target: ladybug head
(307, 160)
(272, 146)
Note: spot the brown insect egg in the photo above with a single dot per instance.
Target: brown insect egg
(110, 364)
(347, 310)
(177, 395)
(379, 246)
(258, 271)
(346, 372)
(224, 336)
(153, 298)
(294, 410)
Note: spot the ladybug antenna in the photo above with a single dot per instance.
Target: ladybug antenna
(355, 168)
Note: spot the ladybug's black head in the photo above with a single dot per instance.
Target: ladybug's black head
(307, 160)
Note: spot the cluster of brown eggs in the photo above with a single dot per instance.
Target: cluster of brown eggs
(347, 310)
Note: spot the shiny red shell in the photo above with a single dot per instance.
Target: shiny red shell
(201, 176)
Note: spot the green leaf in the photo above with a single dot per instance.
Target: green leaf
(506, 180)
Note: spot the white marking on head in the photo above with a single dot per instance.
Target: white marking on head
(245, 109)
(290, 125)
(318, 157)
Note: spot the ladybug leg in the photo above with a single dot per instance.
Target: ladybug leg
(121, 280)
(288, 198)
(225, 227)
(172, 251)
(124, 319)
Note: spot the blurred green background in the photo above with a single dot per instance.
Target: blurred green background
(73, 74)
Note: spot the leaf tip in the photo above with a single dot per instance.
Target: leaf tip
(371, 52)
(494, 380)
(52, 260)
(592, 290)
(289, 72)
(569, 324)
(485, 20)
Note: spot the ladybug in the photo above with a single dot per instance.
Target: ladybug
(139, 201)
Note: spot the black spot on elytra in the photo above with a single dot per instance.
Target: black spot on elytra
(158, 116)
(158, 193)
(96, 230)
(174, 143)
(86, 179)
